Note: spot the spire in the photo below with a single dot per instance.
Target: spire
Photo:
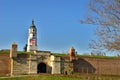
(32, 25)
(32, 21)
(72, 48)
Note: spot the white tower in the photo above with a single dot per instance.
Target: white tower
(32, 38)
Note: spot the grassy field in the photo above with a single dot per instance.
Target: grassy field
(42, 77)
(4, 51)
(61, 54)
(64, 77)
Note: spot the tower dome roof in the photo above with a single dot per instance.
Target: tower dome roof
(72, 48)
(32, 25)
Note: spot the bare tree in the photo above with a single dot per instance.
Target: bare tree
(105, 14)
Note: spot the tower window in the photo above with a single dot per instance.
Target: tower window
(33, 34)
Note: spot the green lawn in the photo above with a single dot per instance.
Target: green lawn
(42, 77)
(62, 54)
(64, 77)
(22, 52)
(4, 51)
(59, 54)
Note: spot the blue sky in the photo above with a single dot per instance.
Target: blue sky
(57, 21)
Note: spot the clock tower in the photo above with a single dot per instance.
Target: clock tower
(32, 38)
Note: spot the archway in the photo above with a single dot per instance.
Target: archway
(41, 68)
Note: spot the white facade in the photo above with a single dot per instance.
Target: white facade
(32, 38)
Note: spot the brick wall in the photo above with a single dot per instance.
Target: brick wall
(98, 65)
(5, 64)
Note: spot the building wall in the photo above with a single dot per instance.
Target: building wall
(32, 64)
(5, 64)
(21, 64)
(56, 64)
(27, 64)
(68, 68)
(44, 57)
(98, 65)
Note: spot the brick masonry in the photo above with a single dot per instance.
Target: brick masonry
(5, 66)
(97, 65)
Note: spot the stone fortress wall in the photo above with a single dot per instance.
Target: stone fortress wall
(45, 62)
(38, 62)
(86, 65)
(20, 65)
(24, 65)
(5, 66)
